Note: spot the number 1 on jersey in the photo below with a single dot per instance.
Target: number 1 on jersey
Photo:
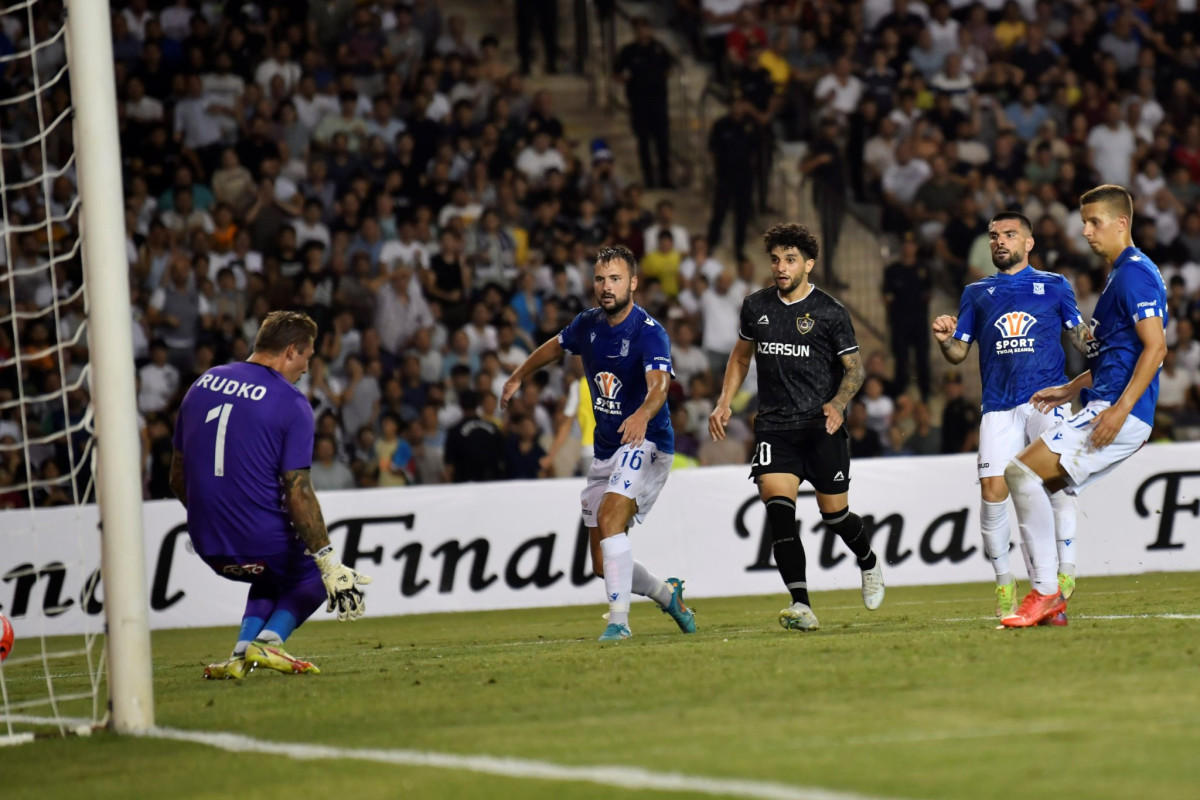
(219, 453)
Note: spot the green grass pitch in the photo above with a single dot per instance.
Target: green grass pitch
(921, 699)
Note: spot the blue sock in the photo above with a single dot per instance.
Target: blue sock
(281, 624)
(251, 627)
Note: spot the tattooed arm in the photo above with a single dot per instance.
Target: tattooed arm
(1080, 337)
(852, 381)
(305, 510)
(954, 350)
(178, 485)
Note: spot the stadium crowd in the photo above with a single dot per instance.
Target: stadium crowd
(381, 167)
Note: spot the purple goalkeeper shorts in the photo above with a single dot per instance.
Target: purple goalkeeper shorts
(281, 569)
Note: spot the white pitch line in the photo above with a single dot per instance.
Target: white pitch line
(631, 778)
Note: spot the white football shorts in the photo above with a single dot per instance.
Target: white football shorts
(1003, 434)
(639, 473)
(1083, 464)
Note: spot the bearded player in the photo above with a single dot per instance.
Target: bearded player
(627, 358)
(809, 369)
(1016, 316)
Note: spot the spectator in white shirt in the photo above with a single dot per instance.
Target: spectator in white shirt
(404, 250)
(136, 17)
(538, 158)
(176, 20)
(700, 262)
(280, 64)
(686, 358)
(664, 219)
(1111, 147)
(720, 309)
(159, 381)
(400, 312)
(312, 107)
(383, 124)
(838, 92)
(139, 106)
(195, 123)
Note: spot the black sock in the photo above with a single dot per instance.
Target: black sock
(849, 526)
(789, 552)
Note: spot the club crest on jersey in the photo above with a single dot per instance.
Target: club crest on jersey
(608, 387)
(1014, 327)
(624, 347)
(805, 324)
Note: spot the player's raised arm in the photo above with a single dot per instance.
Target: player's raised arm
(341, 582)
(549, 352)
(736, 370)
(953, 350)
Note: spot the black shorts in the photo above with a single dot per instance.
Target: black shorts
(811, 454)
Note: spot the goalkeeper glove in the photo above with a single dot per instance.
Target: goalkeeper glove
(341, 584)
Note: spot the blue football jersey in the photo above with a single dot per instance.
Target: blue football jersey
(1134, 292)
(240, 427)
(1017, 319)
(616, 360)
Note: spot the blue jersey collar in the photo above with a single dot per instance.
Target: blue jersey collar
(1126, 254)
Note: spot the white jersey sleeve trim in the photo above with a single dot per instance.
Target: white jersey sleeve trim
(847, 350)
(962, 337)
(1147, 313)
(564, 347)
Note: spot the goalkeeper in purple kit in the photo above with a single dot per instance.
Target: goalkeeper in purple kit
(243, 448)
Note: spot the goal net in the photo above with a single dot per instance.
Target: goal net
(60, 364)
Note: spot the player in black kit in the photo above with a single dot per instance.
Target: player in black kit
(809, 369)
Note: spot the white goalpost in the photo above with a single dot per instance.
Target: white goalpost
(65, 269)
(118, 472)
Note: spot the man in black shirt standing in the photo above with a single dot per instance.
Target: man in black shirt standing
(733, 142)
(809, 369)
(642, 65)
(474, 447)
(907, 287)
(825, 165)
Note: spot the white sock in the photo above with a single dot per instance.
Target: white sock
(996, 530)
(270, 637)
(1064, 529)
(647, 584)
(618, 576)
(239, 649)
(1035, 518)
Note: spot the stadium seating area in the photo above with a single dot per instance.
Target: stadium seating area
(387, 169)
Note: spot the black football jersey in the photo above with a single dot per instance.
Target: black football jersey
(798, 347)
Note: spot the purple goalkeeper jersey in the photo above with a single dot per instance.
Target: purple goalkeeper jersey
(241, 426)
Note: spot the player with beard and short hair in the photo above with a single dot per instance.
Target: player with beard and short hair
(627, 361)
(243, 449)
(1119, 393)
(809, 369)
(1016, 316)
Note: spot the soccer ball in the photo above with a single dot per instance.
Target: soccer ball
(6, 637)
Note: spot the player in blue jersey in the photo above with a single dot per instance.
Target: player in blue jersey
(1015, 315)
(627, 360)
(243, 448)
(1119, 392)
